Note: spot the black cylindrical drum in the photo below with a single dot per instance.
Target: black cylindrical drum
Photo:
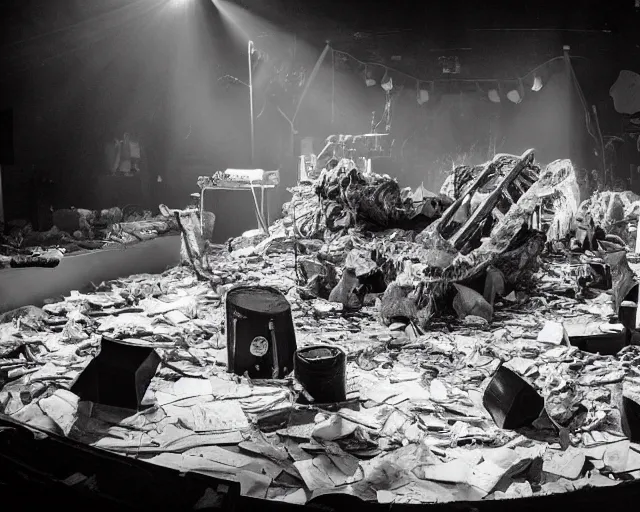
(260, 332)
(322, 371)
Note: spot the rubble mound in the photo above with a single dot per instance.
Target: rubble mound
(614, 212)
(408, 248)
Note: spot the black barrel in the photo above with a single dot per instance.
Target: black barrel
(261, 339)
(322, 371)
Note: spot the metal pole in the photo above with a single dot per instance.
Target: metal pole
(249, 49)
(310, 81)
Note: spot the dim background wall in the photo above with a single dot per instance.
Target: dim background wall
(157, 75)
(460, 125)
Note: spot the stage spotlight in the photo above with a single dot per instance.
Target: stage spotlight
(387, 83)
(514, 96)
(423, 96)
(537, 83)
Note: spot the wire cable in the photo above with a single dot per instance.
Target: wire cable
(470, 80)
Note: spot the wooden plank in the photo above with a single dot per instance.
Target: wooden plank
(507, 195)
(527, 181)
(451, 211)
(518, 184)
(463, 235)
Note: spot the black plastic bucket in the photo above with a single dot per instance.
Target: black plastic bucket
(322, 371)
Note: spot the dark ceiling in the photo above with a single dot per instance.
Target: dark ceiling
(37, 33)
(437, 15)
(26, 19)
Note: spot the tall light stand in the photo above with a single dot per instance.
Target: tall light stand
(249, 51)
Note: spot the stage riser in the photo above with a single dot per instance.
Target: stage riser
(32, 286)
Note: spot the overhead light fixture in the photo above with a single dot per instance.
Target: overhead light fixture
(537, 83)
(423, 96)
(387, 83)
(514, 96)
(368, 77)
(494, 97)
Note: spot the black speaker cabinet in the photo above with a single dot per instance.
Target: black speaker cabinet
(260, 333)
(511, 401)
(119, 375)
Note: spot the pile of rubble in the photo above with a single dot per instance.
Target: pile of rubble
(613, 215)
(437, 300)
(76, 230)
(361, 238)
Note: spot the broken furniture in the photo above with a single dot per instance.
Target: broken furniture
(243, 179)
(501, 193)
(261, 339)
(118, 376)
(509, 246)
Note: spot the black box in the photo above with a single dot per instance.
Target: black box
(119, 375)
(511, 401)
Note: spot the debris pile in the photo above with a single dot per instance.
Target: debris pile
(461, 382)
(413, 428)
(611, 216)
(361, 238)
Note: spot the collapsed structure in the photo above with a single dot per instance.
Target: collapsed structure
(373, 238)
(488, 333)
